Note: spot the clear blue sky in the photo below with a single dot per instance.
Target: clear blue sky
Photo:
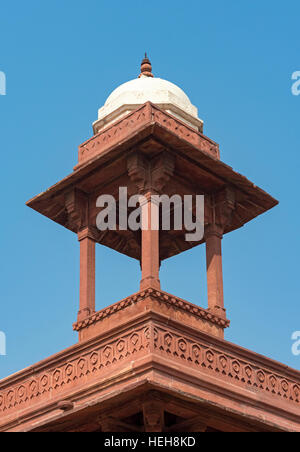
(62, 59)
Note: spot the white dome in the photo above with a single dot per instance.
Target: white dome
(155, 90)
(132, 94)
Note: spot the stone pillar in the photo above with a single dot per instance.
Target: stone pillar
(213, 238)
(87, 274)
(150, 176)
(150, 244)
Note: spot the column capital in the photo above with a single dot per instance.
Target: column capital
(220, 208)
(213, 230)
(76, 207)
(85, 233)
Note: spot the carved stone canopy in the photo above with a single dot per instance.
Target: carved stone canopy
(182, 161)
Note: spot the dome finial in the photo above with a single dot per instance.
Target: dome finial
(146, 68)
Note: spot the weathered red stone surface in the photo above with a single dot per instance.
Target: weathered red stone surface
(152, 362)
(155, 301)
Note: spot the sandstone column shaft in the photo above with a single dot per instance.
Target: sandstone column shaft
(150, 245)
(214, 270)
(87, 274)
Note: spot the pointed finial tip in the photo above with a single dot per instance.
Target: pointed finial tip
(146, 68)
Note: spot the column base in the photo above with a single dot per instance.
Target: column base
(84, 313)
(150, 282)
(219, 311)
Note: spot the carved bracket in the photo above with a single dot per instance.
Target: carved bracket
(153, 416)
(219, 208)
(76, 205)
(150, 175)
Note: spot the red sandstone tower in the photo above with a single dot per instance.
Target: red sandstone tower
(151, 362)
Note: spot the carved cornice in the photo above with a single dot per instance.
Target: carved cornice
(146, 114)
(113, 134)
(49, 380)
(183, 131)
(162, 297)
(238, 369)
(226, 364)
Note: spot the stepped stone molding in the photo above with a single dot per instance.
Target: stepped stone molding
(163, 297)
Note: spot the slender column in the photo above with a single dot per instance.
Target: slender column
(150, 176)
(150, 244)
(213, 237)
(87, 274)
